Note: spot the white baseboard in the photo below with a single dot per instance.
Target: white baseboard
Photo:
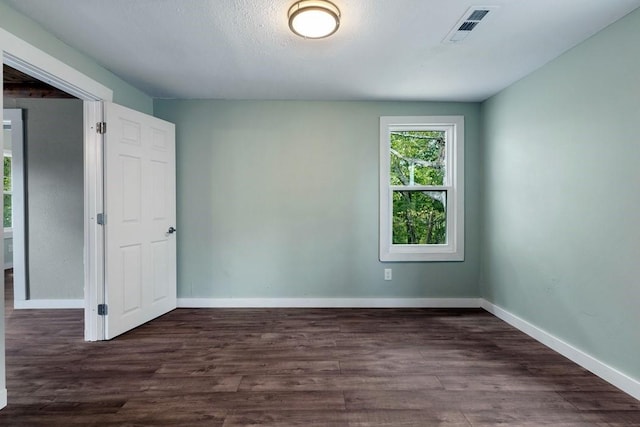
(604, 371)
(329, 302)
(48, 304)
(3, 398)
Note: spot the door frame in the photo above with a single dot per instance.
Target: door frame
(14, 115)
(27, 58)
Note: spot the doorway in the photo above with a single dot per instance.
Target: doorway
(141, 153)
(45, 68)
(43, 192)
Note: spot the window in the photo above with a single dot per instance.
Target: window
(12, 183)
(7, 189)
(422, 188)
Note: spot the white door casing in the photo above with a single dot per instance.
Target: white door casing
(140, 210)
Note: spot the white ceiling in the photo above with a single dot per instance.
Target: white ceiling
(384, 49)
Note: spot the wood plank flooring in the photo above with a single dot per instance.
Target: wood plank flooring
(298, 367)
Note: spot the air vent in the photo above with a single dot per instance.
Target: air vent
(468, 23)
(467, 26)
(478, 14)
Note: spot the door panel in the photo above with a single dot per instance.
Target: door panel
(139, 187)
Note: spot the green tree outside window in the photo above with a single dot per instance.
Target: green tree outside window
(7, 219)
(418, 158)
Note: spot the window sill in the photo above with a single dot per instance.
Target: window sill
(421, 256)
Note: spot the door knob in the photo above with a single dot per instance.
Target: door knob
(171, 230)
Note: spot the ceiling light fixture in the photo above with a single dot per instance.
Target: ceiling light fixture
(314, 19)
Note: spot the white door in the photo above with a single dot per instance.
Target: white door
(140, 218)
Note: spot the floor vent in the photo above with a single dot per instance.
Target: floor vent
(468, 23)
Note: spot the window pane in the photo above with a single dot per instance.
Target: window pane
(419, 218)
(418, 158)
(7, 211)
(7, 173)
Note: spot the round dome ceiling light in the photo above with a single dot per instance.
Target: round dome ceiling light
(314, 19)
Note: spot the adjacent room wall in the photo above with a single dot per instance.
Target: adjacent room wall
(561, 240)
(279, 199)
(55, 196)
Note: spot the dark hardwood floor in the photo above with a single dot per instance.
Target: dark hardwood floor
(298, 367)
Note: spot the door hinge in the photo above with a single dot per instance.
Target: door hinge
(102, 309)
(100, 219)
(101, 127)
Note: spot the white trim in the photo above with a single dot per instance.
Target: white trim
(35, 62)
(93, 233)
(329, 302)
(18, 202)
(27, 58)
(3, 398)
(622, 381)
(49, 304)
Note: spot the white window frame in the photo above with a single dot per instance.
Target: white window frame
(13, 117)
(453, 249)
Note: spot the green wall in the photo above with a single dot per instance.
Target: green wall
(561, 243)
(31, 32)
(280, 199)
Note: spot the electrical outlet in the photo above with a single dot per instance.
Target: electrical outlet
(387, 274)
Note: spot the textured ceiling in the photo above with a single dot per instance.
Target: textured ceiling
(384, 49)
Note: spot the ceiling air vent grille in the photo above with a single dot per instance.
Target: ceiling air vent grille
(467, 26)
(468, 23)
(478, 14)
